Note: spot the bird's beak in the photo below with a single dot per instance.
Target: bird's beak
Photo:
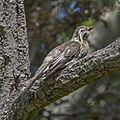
(90, 28)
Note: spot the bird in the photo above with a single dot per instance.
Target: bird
(62, 55)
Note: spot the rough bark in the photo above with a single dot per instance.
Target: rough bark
(80, 73)
(14, 57)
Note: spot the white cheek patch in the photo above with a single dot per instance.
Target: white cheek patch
(81, 38)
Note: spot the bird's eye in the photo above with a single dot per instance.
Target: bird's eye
(81, 31)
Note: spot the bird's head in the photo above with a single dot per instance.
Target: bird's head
(82, 33)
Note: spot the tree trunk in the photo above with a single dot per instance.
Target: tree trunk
(14, 57)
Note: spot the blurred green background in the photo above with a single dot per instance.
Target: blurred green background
(52, 22)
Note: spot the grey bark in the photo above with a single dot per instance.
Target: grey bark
(14, 57)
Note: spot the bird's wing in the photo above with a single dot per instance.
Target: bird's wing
(58, 57)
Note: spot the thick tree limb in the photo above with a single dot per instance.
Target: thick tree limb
(62, 83)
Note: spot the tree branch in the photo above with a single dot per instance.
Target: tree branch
(62, 83)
